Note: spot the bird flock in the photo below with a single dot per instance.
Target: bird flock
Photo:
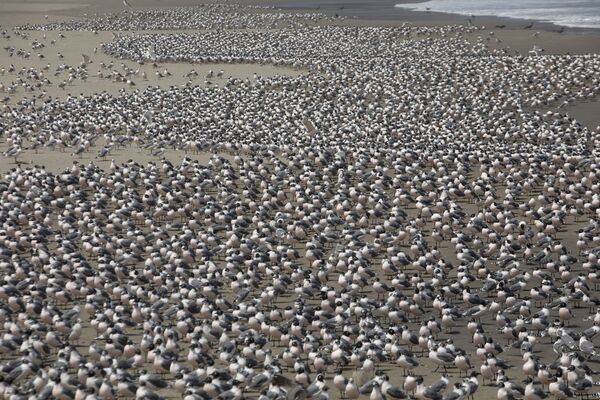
(412, 217)
(204, 16)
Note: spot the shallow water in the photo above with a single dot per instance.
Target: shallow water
(571, 13)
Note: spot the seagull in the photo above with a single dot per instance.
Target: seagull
(533, 393)
(559, 389)
(310, 127)
(586, 346)
(391, 391)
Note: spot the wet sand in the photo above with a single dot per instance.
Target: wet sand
(66, 49)
(59, 160)
(75, 43)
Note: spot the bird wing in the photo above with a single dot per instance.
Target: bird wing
(568, 340)
(296, 393)
(157, 381)
(445, 357)
(395, 392)
(310, 127)
(591, 332)
(438, 386)
(433, 395)
(586, 346)
(367, 388)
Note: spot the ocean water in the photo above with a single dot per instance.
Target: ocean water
(571, 13)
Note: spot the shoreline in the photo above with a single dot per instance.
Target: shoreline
(354, 12)
(511, 31)
(379, 12)
(386, 11)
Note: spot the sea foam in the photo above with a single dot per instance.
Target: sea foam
(571, 13)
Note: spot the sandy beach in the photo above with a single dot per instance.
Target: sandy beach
(303, 174)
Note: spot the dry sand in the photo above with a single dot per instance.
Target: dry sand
(57, 161)
(76, 43)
